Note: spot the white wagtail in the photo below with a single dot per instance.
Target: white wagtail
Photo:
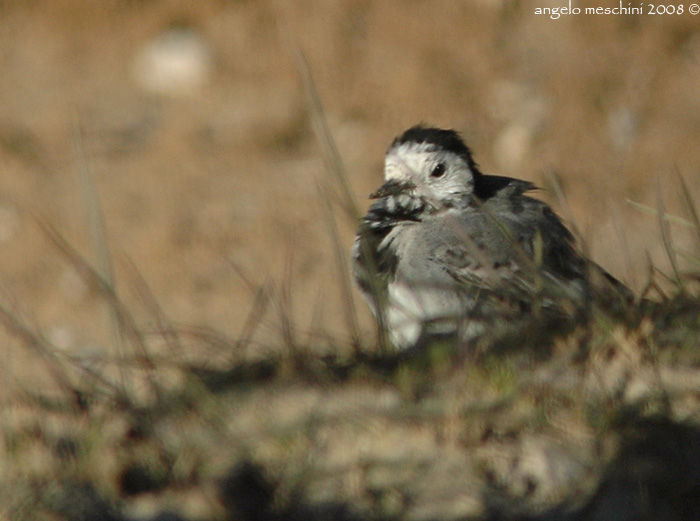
(446, 251)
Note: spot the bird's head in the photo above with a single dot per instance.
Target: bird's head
(431, 164)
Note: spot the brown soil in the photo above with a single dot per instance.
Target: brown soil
(194, 182)
(206, 203)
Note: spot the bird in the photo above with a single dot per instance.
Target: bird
(447, 252)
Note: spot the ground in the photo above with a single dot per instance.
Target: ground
(173, 240)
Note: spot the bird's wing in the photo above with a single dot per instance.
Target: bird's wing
(488, 186)
(511, 254)
(506, 196)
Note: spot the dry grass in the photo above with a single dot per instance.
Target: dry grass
(199, 428)
(128, 218)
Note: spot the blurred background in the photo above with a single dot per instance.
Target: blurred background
(189, 125)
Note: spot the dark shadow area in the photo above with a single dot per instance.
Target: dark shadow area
(304, 367)
(248, 495)
(239, 376)
(655, 476)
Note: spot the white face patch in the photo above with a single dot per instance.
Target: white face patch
(415, 162)
(407, 161)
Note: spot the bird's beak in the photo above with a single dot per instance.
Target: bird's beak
(392, 187)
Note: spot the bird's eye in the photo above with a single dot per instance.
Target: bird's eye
(438, 171)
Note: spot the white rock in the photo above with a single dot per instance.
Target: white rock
(177, 62)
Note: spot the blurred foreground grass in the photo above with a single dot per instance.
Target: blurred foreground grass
(163, 419)
(601, 421)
